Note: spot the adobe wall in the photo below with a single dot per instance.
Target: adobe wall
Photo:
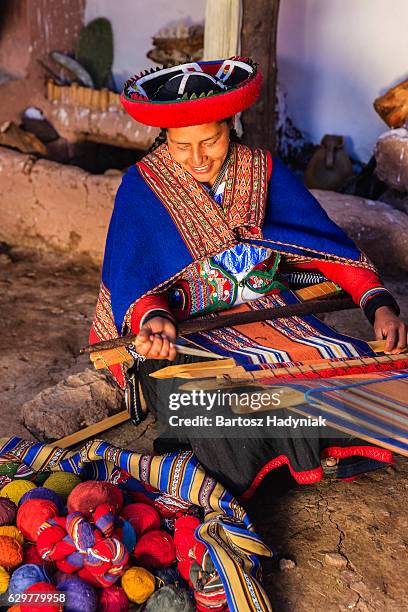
(49, 205)
(29, 31)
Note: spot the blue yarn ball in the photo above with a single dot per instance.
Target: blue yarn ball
(170, 576)
(81, 596)
(44, 493)
(128, 535)
(26, 575)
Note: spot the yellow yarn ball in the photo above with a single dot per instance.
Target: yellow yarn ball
(15, 490)
(4, 580)
(138, 584)
(62, 482)
(12, 532)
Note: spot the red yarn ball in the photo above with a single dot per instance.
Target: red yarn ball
(155, 549)
(113, 599)
(42, 587)
(32, 514)
(183, 568)
(184, 539)
(142, 517)
(87, 496)
(31, 555)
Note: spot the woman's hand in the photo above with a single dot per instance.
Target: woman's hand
(156, 339)
(390, 327)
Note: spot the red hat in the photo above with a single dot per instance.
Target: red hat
(193, 93)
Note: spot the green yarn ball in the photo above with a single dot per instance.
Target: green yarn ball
(62, 483)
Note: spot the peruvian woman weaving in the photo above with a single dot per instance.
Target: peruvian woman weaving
(202, 225)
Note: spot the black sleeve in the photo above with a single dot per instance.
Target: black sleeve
(381, 299)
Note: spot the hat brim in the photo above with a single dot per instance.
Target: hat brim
(197, 111)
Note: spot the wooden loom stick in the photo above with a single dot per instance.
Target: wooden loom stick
(93, 430)
(104, 359)
(312, 303)
(206, 369)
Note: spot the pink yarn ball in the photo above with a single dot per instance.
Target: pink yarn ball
(87, 496)
(113, 599)
(8, 510)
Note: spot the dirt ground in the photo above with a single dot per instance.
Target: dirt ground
(47, 305)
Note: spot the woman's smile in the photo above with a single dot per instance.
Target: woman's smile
(200, 149)
(202, 169)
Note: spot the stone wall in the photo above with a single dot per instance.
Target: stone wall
(50, 205)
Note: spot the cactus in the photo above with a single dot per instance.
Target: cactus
(94, 50)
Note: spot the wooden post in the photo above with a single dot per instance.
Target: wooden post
(258, 41)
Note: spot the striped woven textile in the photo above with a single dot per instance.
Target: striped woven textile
(373, 407)
(282, 342)
(227, 531)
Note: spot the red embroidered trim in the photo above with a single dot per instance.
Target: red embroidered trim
(315, 475)
(372, 452)
(103, 322)
(104, 328)
(246, 188)
(200, 221)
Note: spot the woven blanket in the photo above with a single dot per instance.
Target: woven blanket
(372, 407)
(282, 342)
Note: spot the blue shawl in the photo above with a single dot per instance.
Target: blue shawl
(145, 252)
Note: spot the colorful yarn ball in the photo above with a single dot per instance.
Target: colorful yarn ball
(62, 483)
(16, 489)
(90, 578)
(87, 496)
(32, 514)
(155, 549)
(26, 575)
(43, 588)
(11, 552)
(142, 516)
(8, 511)
(170, 599)
(113, 599)
(138, 584)
(104, 519)
(81, 596)
(4, 580)
(44, 493)
(9, 468)
(13, 532)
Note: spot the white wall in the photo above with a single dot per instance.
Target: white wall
(334, 58)
(134, 22)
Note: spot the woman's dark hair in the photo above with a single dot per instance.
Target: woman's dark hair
(162, 137)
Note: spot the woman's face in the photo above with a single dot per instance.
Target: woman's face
(200, 149)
